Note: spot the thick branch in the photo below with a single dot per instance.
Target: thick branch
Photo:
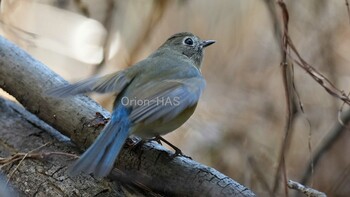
(21, 132)
(149, 165)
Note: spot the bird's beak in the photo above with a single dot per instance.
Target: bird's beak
(206, 43)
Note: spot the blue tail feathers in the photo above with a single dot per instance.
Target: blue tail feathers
(99, 158)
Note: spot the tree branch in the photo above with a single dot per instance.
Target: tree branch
(29, 157)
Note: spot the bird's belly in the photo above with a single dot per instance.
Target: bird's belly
(159, 127)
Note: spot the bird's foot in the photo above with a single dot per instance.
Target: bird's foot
(178, 152)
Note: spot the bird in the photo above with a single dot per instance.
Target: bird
(153, 97)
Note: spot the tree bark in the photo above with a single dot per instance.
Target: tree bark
(149, 167)
(22, 132)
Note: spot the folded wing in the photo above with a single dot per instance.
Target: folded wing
(166, 99)
(114, 82)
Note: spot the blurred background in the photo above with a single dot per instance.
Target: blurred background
(238, 127)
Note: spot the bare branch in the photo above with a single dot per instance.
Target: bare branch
(288, 83)
(290, 51)
(348, 9)
(35, 161)
(306, 190)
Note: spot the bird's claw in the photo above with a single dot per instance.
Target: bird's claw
(178, 152)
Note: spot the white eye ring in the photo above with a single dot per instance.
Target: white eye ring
(188, 41)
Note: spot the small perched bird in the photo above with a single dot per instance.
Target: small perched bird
(153, 97)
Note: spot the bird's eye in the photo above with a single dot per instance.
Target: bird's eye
(189, 41)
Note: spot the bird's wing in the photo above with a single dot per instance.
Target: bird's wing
(114, 82)
(164, 99)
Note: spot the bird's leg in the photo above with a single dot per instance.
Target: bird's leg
(177, 150)
(156, 139)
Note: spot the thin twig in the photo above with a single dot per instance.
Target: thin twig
(316, 75)
(329, 87)
(26, 154)
(19, 156)
(305, 190)
(14, 170)
(287, 71)
(22, 156)
(348, 9)
(312, 164)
